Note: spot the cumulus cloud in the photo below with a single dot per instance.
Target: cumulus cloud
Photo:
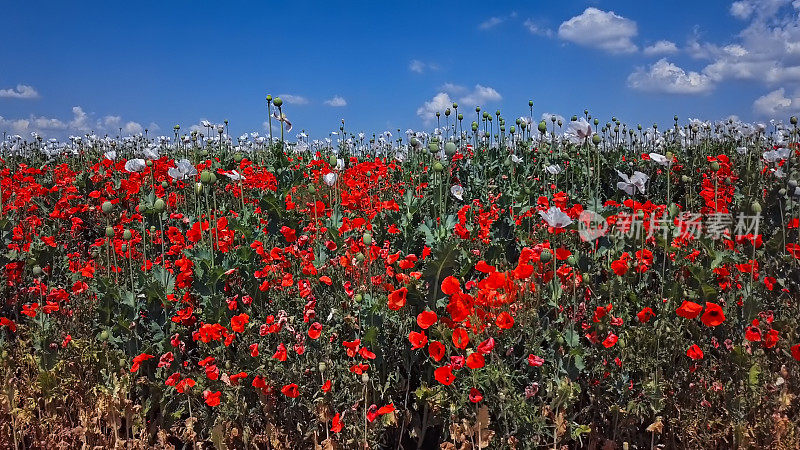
(665, 77)
(439, 102)
(478, 96)
(294, 99)
(337, 101)
(22, 91)
(662, 47)
(80, 123)
(775, 104)
(600, 29)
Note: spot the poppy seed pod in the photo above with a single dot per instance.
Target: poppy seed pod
(123, 248)
(159, 205)
(237, 157)
(793, 120)
(198, 188)
(574, 119)
(447, 112)
(109, 232)
(127, 235)
(450, 149)
(512, 130)
(596, 121)
(560, 122)
(438, 167)
(477, 109)
(460, 117)
(278, 102)
(433, 147)
(107, 207)
(596, 139)
(414, 143)
(714, 166)
(756, 207)
(530, 103)
(37, 270)
(543, 127)
(205, 177)
(455, 105)
(322, 366)
(545, 256)
(367, 238)
(269, 98)
(474, 127)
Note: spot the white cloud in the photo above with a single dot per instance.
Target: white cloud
(418, 66)
(600, 29)
(132, 128)
(439, 102)
(80, 120)
(665, 77)
(549, 117)
(537, 29)
(450, 93)
(294, 99)
(336, 101)
(742, 10)
(775, 104)
(481, 95)
(490, 23)
(22, 91)
(662, 47)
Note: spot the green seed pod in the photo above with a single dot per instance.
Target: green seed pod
(164, 184)
(123, 248)
(357, 298)
(714, 166)
(277, 102)
(103, 335)
(450, 149)
(127, 235)
(596, 139)
(37, 271)
(159, 205)
(213, 178)
(367, 238)
(237, 157)
(438, 167)
(312, 189)
(433, 147)
(322, 366)
(755, 207)
(543, 127)
(109, 232)
(332, 161)
(545, 256)
(571, 260)
(149, 163)
(360, 257)
(793, 120)
(107, 207)
(205, 177)
(792, 184)
(686, 178)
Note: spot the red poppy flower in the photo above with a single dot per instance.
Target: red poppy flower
(460, 338)
(485, 268)
(504, 320)
(610, 340)
(713, 315)
(535, 361)
(238, 322)
(315, 330)
(212, 398)
(451, 285)
(426, 318)
(326, 387)
(752, 333)
(475, 395)
(475, 361)
(418, 340)
(436, 350)
(397, 299)
(694, 352)
(796, 352)
(138, 360)
(486, 346)
(336, 423)
(645, 314)
(445, 375)
(291, 390)
(689, 310)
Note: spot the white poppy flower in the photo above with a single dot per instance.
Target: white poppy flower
(776, 155)
(660, 159)
(182, 170)
(329, 178)
(578, 130)
(135, 165)
(284, 119)
(516, 159)
(457, 191)
(111, 154)
(553, 169)
(636, 181)
(234, 175)
(555, 217)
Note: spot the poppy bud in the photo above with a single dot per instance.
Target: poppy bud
(332, 160)
(357, 298)
(367, 238)
(123, 248)
(109, 232)
(438, 167)
(360, 257)
(545, 256)
(37, 271)
(782, 192)
(756, 207)
(198, 188)
(237, 157)
(460, 116)
(277, 102)
(322, 366)
(164, 184)
(103, 336)
(793, 120)
(205, 177)
(311, 188)
(714, 166)
(685, 178)
(159, 205)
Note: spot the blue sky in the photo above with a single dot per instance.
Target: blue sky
(75, 67)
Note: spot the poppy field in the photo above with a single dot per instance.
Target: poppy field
(497, 282)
